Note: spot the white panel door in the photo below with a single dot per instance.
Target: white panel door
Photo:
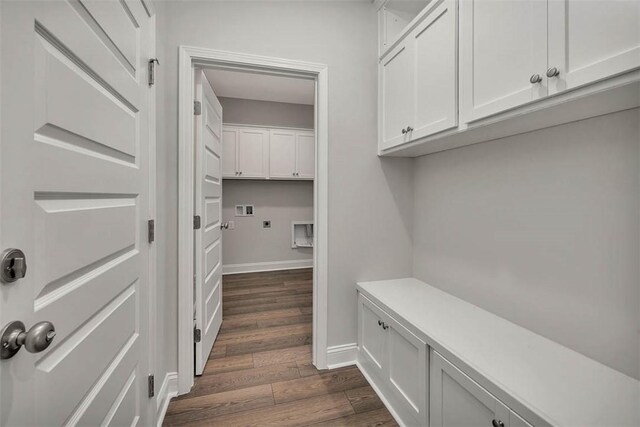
(396, 92)
(253, 153)
(591, 40)
(456, 400)
(229, 152)
(282, 153)
(504, 47)
(407, 368)
(436, 52)
(208, 205)
(75, 179)
(305, 155)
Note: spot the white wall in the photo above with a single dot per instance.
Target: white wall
(542, 229)
(369, 199)
(267, 113)
(278, 201)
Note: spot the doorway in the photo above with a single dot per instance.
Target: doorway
(192, 60)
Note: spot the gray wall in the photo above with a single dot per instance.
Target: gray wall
(266, 113)
(542, 229)
(368, 197)
(278, 201)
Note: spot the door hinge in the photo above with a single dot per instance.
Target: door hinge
(152, 385)
(151, 230)
(197, 335)
(197, 108)
(196, 222)
(152, 70)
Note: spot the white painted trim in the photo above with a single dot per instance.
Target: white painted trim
(342, 355)
(240, 125)
(168, 390)
(381, 395)
(254, 267)
(188, 58)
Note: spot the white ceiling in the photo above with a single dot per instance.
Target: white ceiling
(261, 87)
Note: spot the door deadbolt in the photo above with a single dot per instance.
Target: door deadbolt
(14, 336)
(13, 265)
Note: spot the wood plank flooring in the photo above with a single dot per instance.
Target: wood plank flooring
(260, 373)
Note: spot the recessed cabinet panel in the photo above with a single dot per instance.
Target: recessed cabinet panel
(397, 92)
(372, 339)
(253, 149)
(504, 55)
(592, 40)
(435, 50)
(282, 154)
(229, 144)
(305, 155)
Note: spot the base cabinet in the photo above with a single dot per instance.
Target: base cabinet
(456, 400)
(396, 361)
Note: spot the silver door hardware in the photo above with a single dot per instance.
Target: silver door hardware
(197, 223)
(13, 265)
(14, 336)
(151, 385)
(535, 79)
(197, 108)
(152, 70)
(197, 335)
(553, 72)
(497, 423)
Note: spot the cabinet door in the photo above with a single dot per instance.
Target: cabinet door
(436, 51)
(282, 154)
(305, 155)
(504, 44)
(457, 400)
(372, 338)
(407, 373)
(229, 152)
(592, 40)
(396, 95)
(253, 153)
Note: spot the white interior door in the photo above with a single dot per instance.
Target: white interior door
(282, 153)
(305, 155)
(74, 197)
(208, 205)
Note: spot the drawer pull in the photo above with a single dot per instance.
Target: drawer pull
(497, 423)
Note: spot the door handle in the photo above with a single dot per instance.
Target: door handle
(13, 265)
(35, 340)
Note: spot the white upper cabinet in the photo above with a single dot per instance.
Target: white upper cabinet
(305, 155)
(397, 92)
(591, 40)
(229, 152)
(253, 153)
(282, 154)
(418, 79)
(504, 55)
(435, 43)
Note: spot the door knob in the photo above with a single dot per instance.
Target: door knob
(13, 265)
(224, 225)
(14, 336)
(535, 79)
(553, 72)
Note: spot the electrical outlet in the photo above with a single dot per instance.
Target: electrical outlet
(248, 210)
(266, 224)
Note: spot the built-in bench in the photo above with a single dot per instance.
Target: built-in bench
(437, 360)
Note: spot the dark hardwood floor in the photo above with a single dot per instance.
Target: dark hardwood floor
(260, 373)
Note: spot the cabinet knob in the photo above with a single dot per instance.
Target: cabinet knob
(404, 131)
(553, 72)
(497, 423)
(536, 78)
(407, 130)
(380, 323)
(385, 326)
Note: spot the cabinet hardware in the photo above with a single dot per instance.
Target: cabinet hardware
(553, 72)
(385, 326)
(404, 131)
(535, 79)
(380, 323)
(497, 423)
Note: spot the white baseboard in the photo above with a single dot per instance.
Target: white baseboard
(342, 355)
(255, 267)
(168, 390)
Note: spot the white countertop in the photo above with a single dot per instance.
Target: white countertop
(558, 385)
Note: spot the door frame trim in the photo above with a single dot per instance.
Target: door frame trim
(189, 58)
